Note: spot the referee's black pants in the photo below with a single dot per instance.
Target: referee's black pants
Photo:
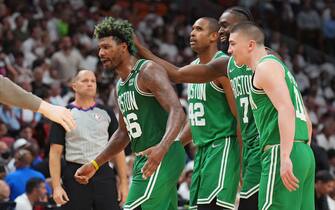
(99, 194)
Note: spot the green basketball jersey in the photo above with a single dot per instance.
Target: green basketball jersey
(240, 80)
(143, 115)
(266, 115)
(209, 113)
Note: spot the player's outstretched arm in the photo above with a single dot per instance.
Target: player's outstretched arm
(197, 73)
(116, 144)
(271, 78)
(154, 79)
(13, 95)
(58, 114)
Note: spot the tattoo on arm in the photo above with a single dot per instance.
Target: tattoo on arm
(154, 79)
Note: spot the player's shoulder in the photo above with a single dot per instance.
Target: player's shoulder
(220, 54)
(150, 68)
(269, 67)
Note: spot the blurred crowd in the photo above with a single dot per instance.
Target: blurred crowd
(43, 43)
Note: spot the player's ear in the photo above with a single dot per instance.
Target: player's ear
(214, 36)
(124, 46)
(252, 45)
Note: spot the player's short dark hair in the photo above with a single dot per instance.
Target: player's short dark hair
(213, 24)
(120, 30)
(250, 29)
(32, 184)
(242, 13)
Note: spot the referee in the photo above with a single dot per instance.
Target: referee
(95, 125)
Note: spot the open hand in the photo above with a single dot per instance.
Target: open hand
(58, 114)
(154, 156)
(286, 172)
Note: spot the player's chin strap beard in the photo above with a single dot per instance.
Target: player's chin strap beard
(224, 46)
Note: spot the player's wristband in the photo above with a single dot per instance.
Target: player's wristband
(95, 164)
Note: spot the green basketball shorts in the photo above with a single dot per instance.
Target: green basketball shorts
(160, 190)
(273, 195)
(216, 173)
(251, 167)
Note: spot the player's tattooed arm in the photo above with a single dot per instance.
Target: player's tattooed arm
(116, 144)
(154, 79)
(196, 73)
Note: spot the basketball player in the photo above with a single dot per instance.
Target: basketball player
(288, 165)
(240, 77)
(213, 126)
(152, 115)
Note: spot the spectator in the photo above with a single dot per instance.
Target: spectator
(323, 186)
(5, 204)
(329, 31)
(26, 133)
(5, 157)
(8, 116)
(55, 97)
(309, 24)
(4, 135)
(38, 85)
(4, 191)
(35, 192)
(17, 180)
(184, 188)
(331, 159)
(326, 139)
(66, 61)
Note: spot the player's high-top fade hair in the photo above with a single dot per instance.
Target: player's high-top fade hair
(250, 29)
(120, 30)
(243, 13)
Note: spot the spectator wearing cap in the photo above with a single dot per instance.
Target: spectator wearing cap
(323, 186)
(17, 145)
(95, 125)
(35, 192)
(17, 180)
